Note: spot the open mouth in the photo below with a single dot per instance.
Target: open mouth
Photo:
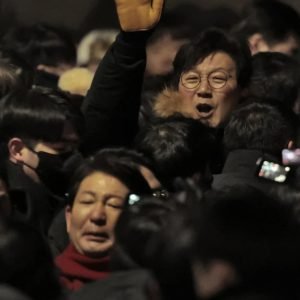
(204, 108)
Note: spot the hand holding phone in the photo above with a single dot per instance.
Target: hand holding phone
(272, 171)
(291, 157)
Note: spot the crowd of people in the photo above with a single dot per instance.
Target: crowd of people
(149, 164)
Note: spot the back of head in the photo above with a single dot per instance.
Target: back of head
(275, 77)
(9, 79)
(258, 126)
(139, 223)
(209, 42)
(21, 70)
(257, 234)
(26, 261)
(144, 239)
(41, 44)
(177, 146)
(274, 20)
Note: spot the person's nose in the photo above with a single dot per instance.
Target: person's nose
(98, 214)
(204, 89)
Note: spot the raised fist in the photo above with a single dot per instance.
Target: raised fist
(137, 15)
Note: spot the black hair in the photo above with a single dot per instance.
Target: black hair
(9, 79)
(137, 226)
(275, 77)
(148, 236)
(257, 234)
(40, 44)
(26, 262)
(177, 146)
(119, 163)
(21, 70)
(273, 19)
(258, 126)
(209, 42)
(38, 114)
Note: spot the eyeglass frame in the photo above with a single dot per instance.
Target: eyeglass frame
(228, 76)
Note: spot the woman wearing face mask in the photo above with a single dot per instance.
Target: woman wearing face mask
(98, 193)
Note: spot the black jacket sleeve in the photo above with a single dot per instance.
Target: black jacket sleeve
(112, 105)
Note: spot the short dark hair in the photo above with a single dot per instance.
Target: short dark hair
(273, 19)
(138, 225)
(257, 234)
(275, 77)
(117, 162)
(38, 114)
(9, 79)
(258, 126)
(209, 42)
(177, 146)
(148, 235)
(40, 44)
(23, 70)
(26, 262)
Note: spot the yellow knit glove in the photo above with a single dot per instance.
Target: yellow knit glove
(137, 15)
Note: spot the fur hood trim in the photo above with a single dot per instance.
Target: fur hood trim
(169, 103)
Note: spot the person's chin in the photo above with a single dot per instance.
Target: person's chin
(210, 122)
(97, 249)
(213, 123)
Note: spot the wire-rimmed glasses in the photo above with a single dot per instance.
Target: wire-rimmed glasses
(216, 79)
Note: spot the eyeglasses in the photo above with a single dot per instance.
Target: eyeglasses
(216, 79)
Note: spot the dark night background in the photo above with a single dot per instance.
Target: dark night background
(80, 16)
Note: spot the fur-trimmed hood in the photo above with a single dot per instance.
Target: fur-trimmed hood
(168, 103)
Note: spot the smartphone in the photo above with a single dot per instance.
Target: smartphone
(272, 171)
(291, 157)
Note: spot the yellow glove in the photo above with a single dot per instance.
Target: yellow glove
(137, 15)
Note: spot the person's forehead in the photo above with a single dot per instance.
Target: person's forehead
(98, 180)
(216, 60)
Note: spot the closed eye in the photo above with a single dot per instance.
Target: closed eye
(219, 79)
(87, 201)
(194, 78)
(116, 202)
(115, 206)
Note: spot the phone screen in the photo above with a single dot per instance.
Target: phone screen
(273, 171)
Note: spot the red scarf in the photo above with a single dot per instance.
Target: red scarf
(77, 269)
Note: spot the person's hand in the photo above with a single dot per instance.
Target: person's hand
(137, 15)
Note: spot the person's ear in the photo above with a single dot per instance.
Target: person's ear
(16, 149)
(68, 211)
(257, 43)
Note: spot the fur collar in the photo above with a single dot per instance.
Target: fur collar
(169, 103)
